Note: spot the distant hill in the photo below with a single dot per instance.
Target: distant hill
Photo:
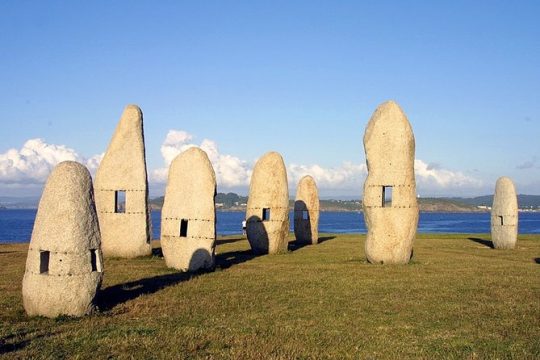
(524, 201)
(235, 202)
(11, 202)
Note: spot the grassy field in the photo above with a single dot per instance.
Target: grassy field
(457, 299)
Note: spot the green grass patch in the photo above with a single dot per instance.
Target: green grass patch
(459, 298)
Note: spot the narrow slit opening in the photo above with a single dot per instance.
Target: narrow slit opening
(183, 227)
(120, 201)
(501, 220)
(387, 196)
(44, 257)
(95, 261)
(266, 214)
(305, 215)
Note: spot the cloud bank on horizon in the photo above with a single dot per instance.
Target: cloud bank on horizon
(29, 166)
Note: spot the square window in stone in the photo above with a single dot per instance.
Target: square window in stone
(386, 196)
(120, 201)
(44, 257)
(305, 215)
(183, 227)
(266, 214)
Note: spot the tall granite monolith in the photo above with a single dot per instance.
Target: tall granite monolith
(504, 215)
(267, 211)
(121, 189)
(390, 205)
(64, 263)
(188, 217)
(306, 211)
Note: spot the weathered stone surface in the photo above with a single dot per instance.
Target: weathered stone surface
(123, 169)
(64, 263)
(189, 199)
(504, 215)
(389, 145)
(306, 211)
(268, 193)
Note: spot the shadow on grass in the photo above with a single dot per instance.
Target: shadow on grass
(6, 346)
(229, 241)
(296, 245)
(487, 243)
(326, 238)
(537, 260)
(226, 260)
(114, 295)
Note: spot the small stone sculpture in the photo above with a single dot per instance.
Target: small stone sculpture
(306, 211)
(390, 205)
(64, 267)
(188, 217)
(504, 215)
(267, 211)
(121, 189)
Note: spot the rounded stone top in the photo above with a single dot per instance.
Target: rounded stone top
(268, 183)
(505, 199)
(504, 181)
(68, 178)
(133, 108)
(307, 181)
(389, 140)
(69, 166)
(308, 193)
(271, 163)
(388, 119)
(131, 116)
(195, 159)
(271, 155)
(194, 151)
(505, 187)
(66, 216)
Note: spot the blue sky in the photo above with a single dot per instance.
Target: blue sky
(301, 78)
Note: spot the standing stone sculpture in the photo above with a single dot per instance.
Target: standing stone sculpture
(121, 189)
(188, 217)
(504, 215)
(306, 211)
(267, 211)
(64, 264)
(390, 205)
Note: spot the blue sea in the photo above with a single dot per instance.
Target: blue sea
(16, 225)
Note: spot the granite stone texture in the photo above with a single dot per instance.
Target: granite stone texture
(391, 223)
(188, 217)
(64, 267)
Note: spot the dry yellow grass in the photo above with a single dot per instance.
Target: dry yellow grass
(457, 299)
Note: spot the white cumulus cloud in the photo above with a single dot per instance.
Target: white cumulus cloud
(31, 164)
(433, 179)
(34, 161)
(346, 176)
(230, 170)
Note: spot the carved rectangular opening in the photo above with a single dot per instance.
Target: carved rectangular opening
(120, 201)
(266, 214)
(386, 196)
(95, 261)
(305, 215)
(183, 227)
(44, 257)
(501, 220)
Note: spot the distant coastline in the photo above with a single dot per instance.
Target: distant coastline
(232, 202)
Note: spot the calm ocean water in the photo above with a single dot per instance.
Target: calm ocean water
(16, 225)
